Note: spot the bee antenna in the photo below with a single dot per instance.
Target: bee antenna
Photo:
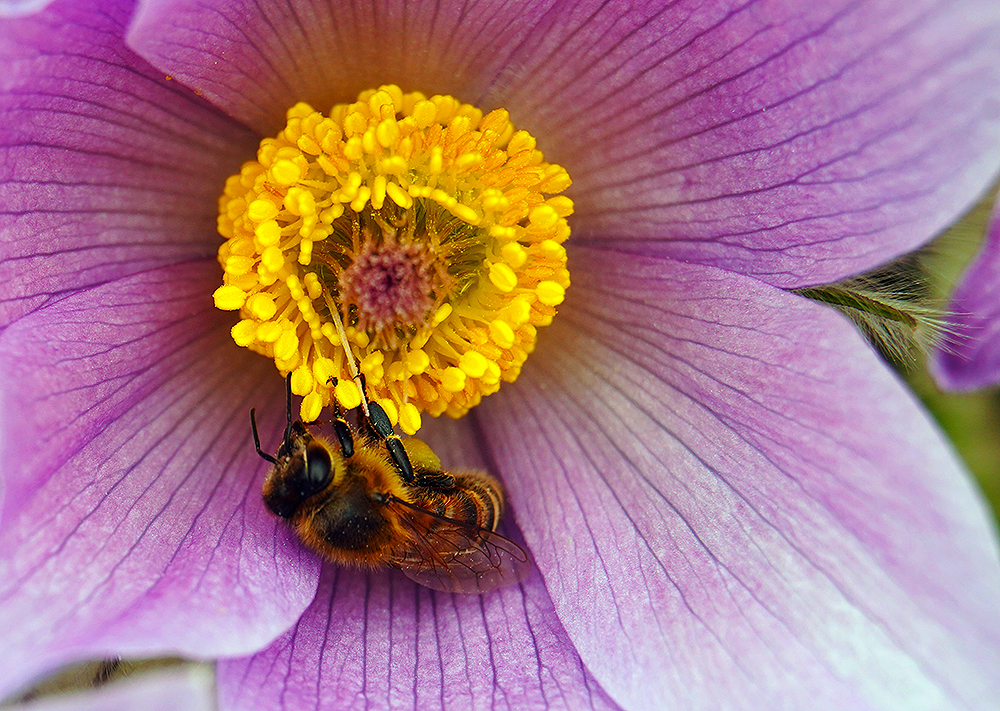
(256, 439)
(288, 406)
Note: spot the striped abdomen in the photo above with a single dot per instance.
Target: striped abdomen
(476, 499)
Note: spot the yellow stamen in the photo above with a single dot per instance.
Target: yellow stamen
(412, 239)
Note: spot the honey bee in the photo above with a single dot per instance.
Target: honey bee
(368, 499)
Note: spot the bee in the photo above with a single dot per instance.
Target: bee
(365, 498)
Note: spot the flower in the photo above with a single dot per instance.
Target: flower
(422, 224)
(969, 357)
(730, 501)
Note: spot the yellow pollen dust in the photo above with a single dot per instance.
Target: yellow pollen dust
(432, 231)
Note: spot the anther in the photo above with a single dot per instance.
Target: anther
(412, 239)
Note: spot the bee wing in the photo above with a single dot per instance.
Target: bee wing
(448, 555)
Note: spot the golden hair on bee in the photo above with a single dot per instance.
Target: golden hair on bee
(365, 498)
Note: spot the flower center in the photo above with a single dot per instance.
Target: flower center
(431, 232)
(389, 285)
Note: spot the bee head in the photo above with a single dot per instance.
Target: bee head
(304, 467)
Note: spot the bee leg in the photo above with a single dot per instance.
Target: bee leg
(383, 428)
(365, 417)
(379, 424)
(340, 425)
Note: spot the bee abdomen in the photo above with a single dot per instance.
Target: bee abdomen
(480, 499)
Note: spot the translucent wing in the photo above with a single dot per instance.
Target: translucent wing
(444, 554)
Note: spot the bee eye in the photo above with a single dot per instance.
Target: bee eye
(317, 473)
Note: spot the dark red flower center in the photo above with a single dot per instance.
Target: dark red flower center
(389, 285)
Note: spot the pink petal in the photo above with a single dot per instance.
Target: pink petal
(16, 8)
(735, 505)
(378, 641)
(133, 522)
(256, 60)
(107, 167)
(797, 143)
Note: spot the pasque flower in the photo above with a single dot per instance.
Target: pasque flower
(730, 501)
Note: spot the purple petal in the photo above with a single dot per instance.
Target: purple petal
(795, 142)
(189, 689)
(735, 505)
(108, 168)
(133, 522)
(970, 355)
(256, 60)
(378, 641)
(16, 8)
